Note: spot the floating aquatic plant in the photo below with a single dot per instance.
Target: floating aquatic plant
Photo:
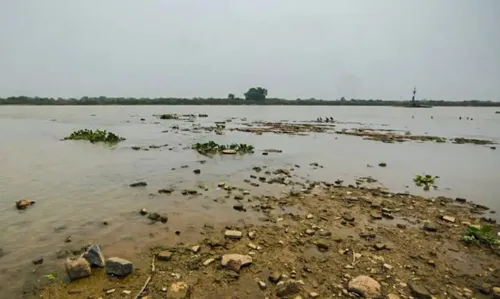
(426, 181)
(95, 136)
(212, 147)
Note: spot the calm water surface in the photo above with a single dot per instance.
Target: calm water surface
(78, 185)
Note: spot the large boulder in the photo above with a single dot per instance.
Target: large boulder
(365, 286)
(78, 268)
(94, 256)
(118, 266)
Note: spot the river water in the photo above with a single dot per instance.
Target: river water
(78, 185)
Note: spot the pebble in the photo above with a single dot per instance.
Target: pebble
(309, 216)
(275, 277)
(178, 290)
(252, 235)
(262, 285)
(195, 248)
(208, 262)
(94, 256)
(313, 295)
(127, 292)
(244, 260)
(449, 219)
(288, 288)
(111, 291)
(233, 234)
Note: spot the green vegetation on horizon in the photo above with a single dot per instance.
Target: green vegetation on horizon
(254, 96)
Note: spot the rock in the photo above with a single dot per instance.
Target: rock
(239, 207)
(392, 296)
(376, 216)
(288, 289)
(178, 290)
(197, 171)
(158, 217)
(143, 211)
(365, 286)
(38, 261)
(348, 217)
(195, 248)
(322, 245)
(496, 292)
(275, 277)
(139, 184)
(23, 204)
(418, 291)
(310, 231)
(118, 266)
(192, 191)
(485, 288)
(242, 260)
(252, 235)
(448, 218)
(164, 256)
(383, 164)
(234, 265)
(110, 291)
(126, 292)
(239, 197)
(461, 200)
(262, 285)
(233, 234)
(430, 227)
(94, 256)
(208, 262)
(380, 246)
(313, 295)
(309, 216)
(166, 191)
(78, 268)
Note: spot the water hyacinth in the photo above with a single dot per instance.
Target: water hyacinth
(95, 136)
(211, 147)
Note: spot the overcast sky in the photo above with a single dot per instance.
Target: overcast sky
(449, 49)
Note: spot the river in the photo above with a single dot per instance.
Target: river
(78, 185)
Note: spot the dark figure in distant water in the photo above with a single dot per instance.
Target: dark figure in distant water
(460, 118)
(331, 119)
(467, 118)
(320, 120)
(413, 116)
(326, 119)
(471, 118)
(432, 117)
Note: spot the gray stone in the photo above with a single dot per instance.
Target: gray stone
(78, 268)
(288, 289)
(233, 234)
(365, 286)
(94, 256)
(139, 184)
(118, 266)
(418, 291)
(322, 245)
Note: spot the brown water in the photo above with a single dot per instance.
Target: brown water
(78, 185)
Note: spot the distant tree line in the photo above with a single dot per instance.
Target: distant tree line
(254, 96)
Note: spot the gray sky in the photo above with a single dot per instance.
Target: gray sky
(449, 49)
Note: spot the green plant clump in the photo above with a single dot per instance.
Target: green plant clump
(95, 136)
(211, 147)
(426, 181)
(483, 236)
(169, 116)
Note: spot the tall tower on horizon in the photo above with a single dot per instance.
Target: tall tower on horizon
(414, 92)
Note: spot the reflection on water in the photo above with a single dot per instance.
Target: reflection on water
(78, 185)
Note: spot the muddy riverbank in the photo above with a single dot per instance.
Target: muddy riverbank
(312, 241)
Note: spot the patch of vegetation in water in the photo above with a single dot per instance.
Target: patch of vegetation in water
(95, 136)
(481, 236)
(169, 116)
(461, 140)
(426, 181)
(211, 147)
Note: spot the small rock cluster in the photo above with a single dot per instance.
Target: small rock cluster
(80, 267)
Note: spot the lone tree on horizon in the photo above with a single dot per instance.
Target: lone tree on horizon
(256, 94)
